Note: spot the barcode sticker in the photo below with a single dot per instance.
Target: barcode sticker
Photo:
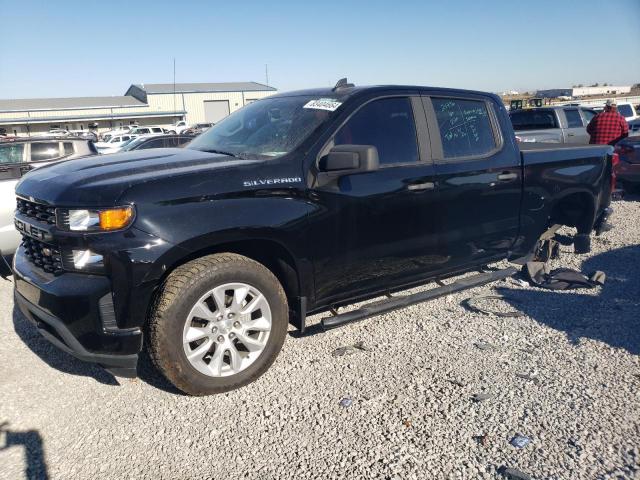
(323, 104)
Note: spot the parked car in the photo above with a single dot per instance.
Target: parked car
(628, 167)
(634, 127)
(86, 134)
(156, 141)
(148, 129)
(565, 124)
(17, 157)
(198, 128)
(58, 132)
(178, 127)
(114, 143)
(106, 136)
(291, 206)
(628, 111)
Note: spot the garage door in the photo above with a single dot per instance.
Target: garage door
(215, 110)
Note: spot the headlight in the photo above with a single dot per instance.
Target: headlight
(102, 220)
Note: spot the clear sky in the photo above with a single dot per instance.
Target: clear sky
(78, 48)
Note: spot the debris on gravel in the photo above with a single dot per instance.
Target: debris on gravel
(411, 416)
(350, 349)
(482, 345)
(513, 474)
(520, 441)
(481, 397)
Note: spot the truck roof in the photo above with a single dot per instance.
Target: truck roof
(346, 92)
(552, 107)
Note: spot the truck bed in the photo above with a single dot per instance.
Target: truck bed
(535, 153)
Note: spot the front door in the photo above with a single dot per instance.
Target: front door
(479, 180)
(375, 229)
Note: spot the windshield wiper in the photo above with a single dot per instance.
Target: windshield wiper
(221, 152)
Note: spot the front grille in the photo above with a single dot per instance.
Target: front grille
(40, 212)
(43, 255)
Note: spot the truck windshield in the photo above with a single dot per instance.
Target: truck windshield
(267, 128)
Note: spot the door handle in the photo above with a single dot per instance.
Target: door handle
(507, 176)
(571, 134)
(416, 187)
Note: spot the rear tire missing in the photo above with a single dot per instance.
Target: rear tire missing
(182, 291)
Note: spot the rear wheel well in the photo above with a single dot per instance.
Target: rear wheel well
(575, 210)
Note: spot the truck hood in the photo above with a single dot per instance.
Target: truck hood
(100, 180)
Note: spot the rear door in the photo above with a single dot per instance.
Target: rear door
(375, 229)
(574, 129)
(479, 179)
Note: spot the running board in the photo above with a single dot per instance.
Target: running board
(396, 303)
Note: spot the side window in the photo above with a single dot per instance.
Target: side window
(156, 130)
(573, 118)
(44, 151)
(11, 153)
(588, 115)
(386, 124)
(170, 142)
(465, 127)
(157, 143)
(68, 148)
(183, 140)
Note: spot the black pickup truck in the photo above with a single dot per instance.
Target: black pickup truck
(296, 204)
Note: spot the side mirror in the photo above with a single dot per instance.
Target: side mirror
(343, 159)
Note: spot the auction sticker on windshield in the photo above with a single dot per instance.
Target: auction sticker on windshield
(323, 104)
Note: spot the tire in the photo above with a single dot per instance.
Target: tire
(171, 132)
(178, 311)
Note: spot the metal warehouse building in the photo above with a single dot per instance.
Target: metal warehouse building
(584, 91)
(144, 104)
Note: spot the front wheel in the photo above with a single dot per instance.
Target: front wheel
(218, 324)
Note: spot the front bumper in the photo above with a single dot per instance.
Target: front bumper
(74, 312)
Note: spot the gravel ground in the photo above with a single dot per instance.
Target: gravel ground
(565, 375)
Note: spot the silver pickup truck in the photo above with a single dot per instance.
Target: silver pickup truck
(17, 157)
(562, 124)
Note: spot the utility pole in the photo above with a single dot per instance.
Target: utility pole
(266, 74)
(174, 89)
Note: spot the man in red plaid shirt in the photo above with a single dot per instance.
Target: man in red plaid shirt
(608, 127)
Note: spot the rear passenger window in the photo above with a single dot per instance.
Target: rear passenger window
(465, 127)
(68, 148)
(157, 143)
(44, 151)
(170, 142)
(11, 153)
(388, 125)
(573, 118)
(533, 120)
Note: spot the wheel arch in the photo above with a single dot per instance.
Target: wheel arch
(575, 209)
(275, 256)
